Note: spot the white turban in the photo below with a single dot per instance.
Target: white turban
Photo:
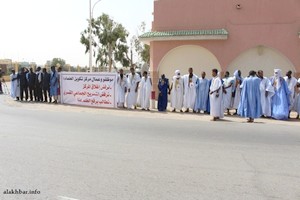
(177, 73)
(236, 75)
(277, 73)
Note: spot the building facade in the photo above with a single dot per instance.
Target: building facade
(5, 65)
(224, 34)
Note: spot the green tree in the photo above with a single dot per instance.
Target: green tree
(59, 61)
(136, 46)
(109, 42)
(145, 53)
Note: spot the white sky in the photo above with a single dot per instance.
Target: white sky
(39, 30)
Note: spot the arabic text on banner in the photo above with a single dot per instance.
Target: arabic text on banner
(89, 89)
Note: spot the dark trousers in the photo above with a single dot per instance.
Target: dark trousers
(31, 92)
(23, 89)
(1, 91)
(38, 93)
(46, 92)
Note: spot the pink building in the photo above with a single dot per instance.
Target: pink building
(224, 34)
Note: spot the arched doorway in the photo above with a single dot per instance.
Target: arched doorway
(184, 57)
(261, 58)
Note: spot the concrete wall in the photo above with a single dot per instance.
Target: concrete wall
(184, 57)
(260, 58)
(258, 23)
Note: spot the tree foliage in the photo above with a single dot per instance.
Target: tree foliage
(145, 53)
(109, 41)
(136, 46)
(59, 61)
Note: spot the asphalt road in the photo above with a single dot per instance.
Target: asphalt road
(64, 152)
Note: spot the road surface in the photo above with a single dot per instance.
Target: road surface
(74, 153)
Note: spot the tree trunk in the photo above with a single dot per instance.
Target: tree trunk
(110, 52)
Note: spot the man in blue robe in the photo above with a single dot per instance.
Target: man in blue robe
(236, 93)
(280, 100)
(53, 85)
(250, 103)
(202, 90)
(208, 99)
(163, 87)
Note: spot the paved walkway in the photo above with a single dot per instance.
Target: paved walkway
(145, 114)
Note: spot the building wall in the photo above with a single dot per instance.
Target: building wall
(211, 14)
(260, 58)
(5, 64)
(186, 56)
(271, 24)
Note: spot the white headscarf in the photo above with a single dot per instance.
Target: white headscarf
(177, 73)
(236, 75)
(277, 75)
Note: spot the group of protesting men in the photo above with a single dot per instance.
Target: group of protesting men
(38, 86)
(253, 97)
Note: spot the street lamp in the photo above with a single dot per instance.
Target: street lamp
(90, 34)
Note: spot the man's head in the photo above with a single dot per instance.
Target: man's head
(203, 74)
(227, 74)
(53, 68)
(31, 70)
(177, 73)
(59, 69)
(145, 74)
(132, 70)
(240, 73)
(214, 72)
(277, 73)
(44, 70)
(38, 69)
(163, 76)
(13, 71)
(260, 73)
(190, 70)
(252, 73)
(237, 74)
(121, 71)
(289, 74)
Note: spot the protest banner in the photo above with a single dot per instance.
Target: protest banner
(89, 89)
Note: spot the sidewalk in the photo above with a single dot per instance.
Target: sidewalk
(7, 101)
(153, 113)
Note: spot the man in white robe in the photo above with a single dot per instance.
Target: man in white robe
(176, 91)
(292, 83)
(189, 83)
(266, 93)
(133, 85)
(121, 88)
(216, 95)
(145, 92)
(227, 91)
(15, 88)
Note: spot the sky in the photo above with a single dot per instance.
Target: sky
(39, 30)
